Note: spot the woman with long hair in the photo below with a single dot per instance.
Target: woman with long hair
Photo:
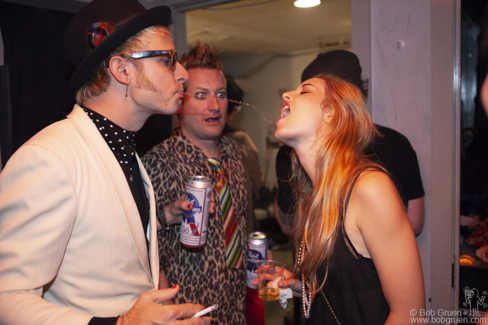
(357, 258)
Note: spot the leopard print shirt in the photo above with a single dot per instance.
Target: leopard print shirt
(203, 276)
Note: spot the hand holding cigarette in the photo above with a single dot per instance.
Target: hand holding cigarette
(149, 310)
(206, 311)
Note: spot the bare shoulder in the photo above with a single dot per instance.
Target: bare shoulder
(383, 232)
(375, 199)
(374, 184)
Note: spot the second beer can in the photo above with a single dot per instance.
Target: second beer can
(194, 222)
(257, 250)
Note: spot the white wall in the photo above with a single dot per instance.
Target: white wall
(401, 88)
(263, 79)
(411, 90)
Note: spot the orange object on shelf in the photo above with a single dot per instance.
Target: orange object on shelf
(466, 260)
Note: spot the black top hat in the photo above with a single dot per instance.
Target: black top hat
(342, 64)
(102, 26)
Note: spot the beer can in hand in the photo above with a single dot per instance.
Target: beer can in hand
(257, 250)
(194, 223)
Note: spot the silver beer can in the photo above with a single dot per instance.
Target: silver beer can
(257, 250)
(194, 222)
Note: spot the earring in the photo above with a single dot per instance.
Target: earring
(126, 90)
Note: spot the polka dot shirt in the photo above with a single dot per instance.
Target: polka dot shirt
(122, 142)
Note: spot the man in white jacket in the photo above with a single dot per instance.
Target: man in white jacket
(78, 221)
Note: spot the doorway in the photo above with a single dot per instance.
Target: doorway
(473, 243)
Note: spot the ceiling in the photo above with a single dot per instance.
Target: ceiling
(251, 27)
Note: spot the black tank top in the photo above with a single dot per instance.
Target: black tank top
(353, 288)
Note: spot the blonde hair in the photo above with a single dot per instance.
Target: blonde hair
(339, 162)
(100, 78)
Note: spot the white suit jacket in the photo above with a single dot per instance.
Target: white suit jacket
(72, 245)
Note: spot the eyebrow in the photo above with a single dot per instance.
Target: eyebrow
(307, 85)
(201, 88)
(208, 90)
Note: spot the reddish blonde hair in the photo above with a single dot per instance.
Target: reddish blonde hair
(339, 162)
(203, 55)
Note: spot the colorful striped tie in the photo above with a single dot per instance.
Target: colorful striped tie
(233, 248)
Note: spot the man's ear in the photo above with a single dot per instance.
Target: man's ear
(120, 68)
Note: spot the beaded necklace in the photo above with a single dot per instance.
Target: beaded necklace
(307, 301)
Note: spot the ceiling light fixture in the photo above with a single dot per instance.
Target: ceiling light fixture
(306, 3)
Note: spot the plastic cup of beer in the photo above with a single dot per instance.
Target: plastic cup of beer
(270, 273)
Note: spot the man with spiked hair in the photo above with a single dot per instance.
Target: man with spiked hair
(215, 274)
(77, 212)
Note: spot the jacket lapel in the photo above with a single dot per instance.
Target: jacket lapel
(152, 229)
(120, 188)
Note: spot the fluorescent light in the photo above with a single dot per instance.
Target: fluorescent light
(306, 3)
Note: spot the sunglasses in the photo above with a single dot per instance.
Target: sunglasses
(151, 54)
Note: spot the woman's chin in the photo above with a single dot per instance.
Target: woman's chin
(283, 138)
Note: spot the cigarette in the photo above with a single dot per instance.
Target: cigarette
(205, 311)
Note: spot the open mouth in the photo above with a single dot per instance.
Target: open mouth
(212, 119)
(285, 111)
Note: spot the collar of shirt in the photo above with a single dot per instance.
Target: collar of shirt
(122, 142)
(223, 149)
